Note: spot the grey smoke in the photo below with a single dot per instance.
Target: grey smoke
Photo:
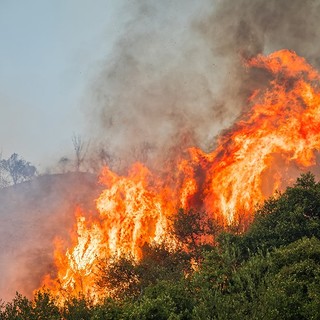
(32, 215)
(159, 86)
(241, 29)
(176, 77)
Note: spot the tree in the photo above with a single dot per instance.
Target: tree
(63, 164)
(17, 169)
(159, 262)
(43, 306)
(164, 300)
(118, 278)
(272, 271)
(125, 278)
(283, 284)
(3, 179)
(110, 309)
(285, 218)
(141, 151)
(195, 230)
(77, 308)
(102, 157)
(80, 148)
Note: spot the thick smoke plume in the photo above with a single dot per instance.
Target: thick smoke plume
(237, 30)
(177, 76)
(158, 89)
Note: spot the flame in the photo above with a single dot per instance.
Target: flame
(284, 120)
(282, 126)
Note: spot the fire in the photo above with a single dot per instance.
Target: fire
(282, 127)
(284, 121)
(133, 210)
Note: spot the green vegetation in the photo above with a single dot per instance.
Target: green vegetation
(271, 271)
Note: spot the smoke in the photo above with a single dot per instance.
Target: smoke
(157, 90)
(238, 30)
(32, 215)
(260, 26)
(177, 77)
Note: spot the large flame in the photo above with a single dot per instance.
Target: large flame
(282, 126)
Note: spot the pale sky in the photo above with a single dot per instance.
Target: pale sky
(49, 51)
(52, 52)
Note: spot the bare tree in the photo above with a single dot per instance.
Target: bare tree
(80, 148)
(3, 180)
(141, 151)
(101, 156)
(108, 159)
(64, 163)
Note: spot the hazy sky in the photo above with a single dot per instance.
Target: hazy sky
(52, 52)
(49, 51)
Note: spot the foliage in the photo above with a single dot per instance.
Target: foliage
(160, 263)
(194, 228)
(109, 309)
(43, 306)
(285, 218)
(124, 278)
(77, 308)
(17, 169)
(118, 278)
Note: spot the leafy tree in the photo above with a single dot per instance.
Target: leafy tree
(161, 308)
(20, 308)
(77, 308)
(44, 306)
(165, 300)
(17, 169)
(282, 284)
(118, 278)
(211, 282)
(293, 282)
(109, 309)
(160, 263)
(41, 307)
(285, 218)
(195, 230)
(125, 278)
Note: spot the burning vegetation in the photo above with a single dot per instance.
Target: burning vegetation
(278, 136)
(232, 232)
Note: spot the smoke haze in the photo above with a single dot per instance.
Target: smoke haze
(32, 215)
(159, 88)
(177, 75)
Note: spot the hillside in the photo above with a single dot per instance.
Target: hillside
(271, 271)
(32, 214)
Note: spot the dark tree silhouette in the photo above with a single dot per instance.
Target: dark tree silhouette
(17, 169)
(80, 149)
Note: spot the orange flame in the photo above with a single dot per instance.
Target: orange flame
(283, 125)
